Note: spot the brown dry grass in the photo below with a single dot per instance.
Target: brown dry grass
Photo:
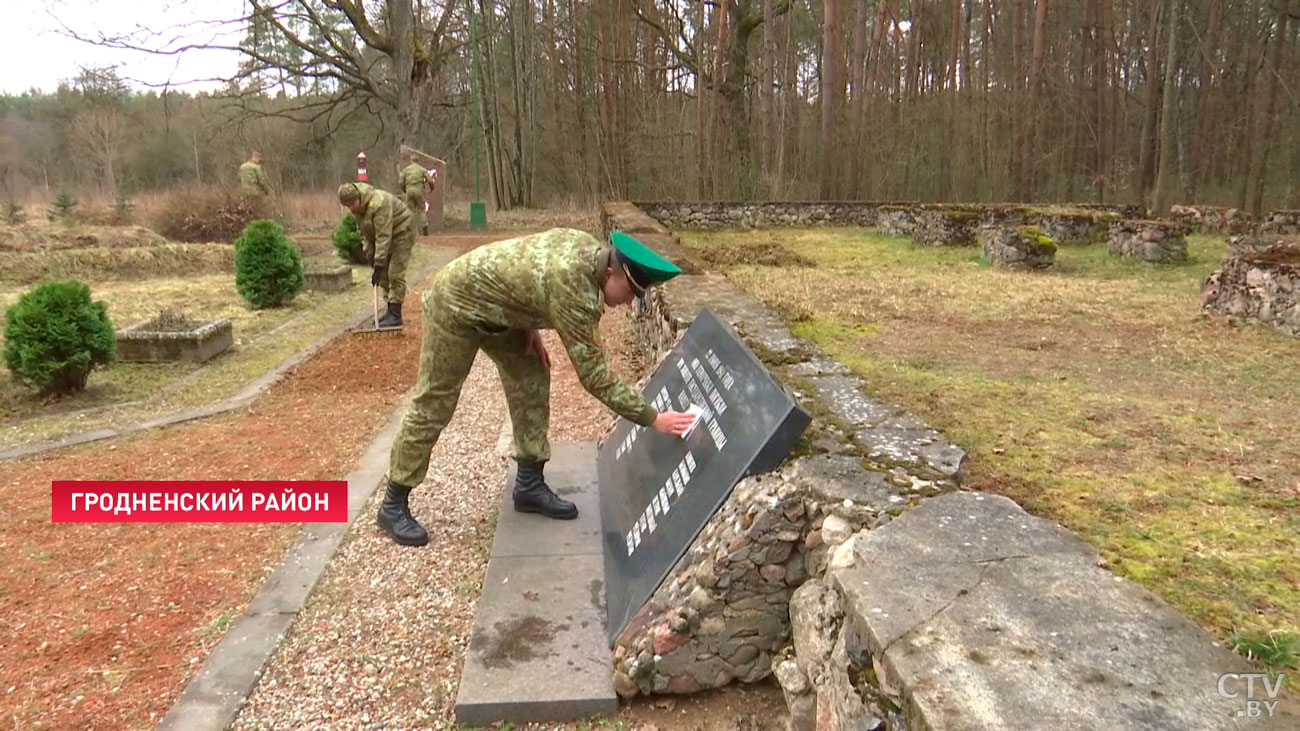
(1096, 394)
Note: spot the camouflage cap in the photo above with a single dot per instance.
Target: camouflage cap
(643, 267)
(349, 192)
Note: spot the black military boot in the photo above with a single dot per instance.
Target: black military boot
(533, 496)
(395, 517)
(393, 318)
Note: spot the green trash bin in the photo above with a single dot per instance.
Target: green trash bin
(477, 215)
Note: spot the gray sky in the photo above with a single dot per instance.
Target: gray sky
(35, 55)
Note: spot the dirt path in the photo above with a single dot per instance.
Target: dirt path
(104, 623)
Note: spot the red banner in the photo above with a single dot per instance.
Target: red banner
(194, 501)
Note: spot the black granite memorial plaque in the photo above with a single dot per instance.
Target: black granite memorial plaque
(656, 491)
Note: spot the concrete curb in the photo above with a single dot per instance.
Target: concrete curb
(214, 696)
(242, 398)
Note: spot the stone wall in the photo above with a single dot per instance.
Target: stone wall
(931, 223)
(897, 220)
(1153, 241)
(1075, 229)
(1017, 247)
(1282, 222)
(938, 227)
(1212, 219)
(1259, 280)
(756, 214)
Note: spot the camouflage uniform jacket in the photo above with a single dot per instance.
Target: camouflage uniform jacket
(549, 280)
(415, 180)
(384, 218)
(252, 180)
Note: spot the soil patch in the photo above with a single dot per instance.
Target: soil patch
(37, 237)
(106, 622)
(768, 254)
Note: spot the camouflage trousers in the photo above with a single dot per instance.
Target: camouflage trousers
(446, 354)
(393, 278)
(416, 204)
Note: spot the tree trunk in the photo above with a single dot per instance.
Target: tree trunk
(1209, 45)
(790, 102)
(857, 96)
(1026, 193)
(1275, 83)
(986, 70)
(767, 101)
(829, 90)
(1248, 138)
(1147, 164)
(1017, 111)
(413, 73)
(1101, 81)
(1167, 178)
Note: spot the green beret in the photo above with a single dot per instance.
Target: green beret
(643, 267)
(349, 192)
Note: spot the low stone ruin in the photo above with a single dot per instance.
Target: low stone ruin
(1212, 219)
(724, 613)
(1074, 227)
(940, 224)
(946, 227)
(1153, 241)
(171, 338)
(1259, 280)
(1017, 247)
(896, 220)
(1120, 210)
(1286, 223)
(733, 214)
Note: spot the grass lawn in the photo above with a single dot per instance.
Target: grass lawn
(26, 418)
(1095, 393)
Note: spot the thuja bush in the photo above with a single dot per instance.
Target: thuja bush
(55, 336)
(347, 240)
(268, 267)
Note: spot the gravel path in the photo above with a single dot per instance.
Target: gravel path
(382, 641)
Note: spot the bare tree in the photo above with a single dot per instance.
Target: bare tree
(372, 56)
(101, 132)
(1168, 162)
(829, 92)
(1270, 122)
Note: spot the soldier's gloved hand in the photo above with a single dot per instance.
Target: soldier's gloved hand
(374, 276)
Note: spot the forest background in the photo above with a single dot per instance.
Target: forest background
(573, 101)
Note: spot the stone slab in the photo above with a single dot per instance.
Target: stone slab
(689, 294)
(538, 652)
(571, 474)
(212, 698)
(658, 491)
(888, 432)
(985, 617)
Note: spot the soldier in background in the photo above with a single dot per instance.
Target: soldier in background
(252, 181)
(415, 183)
(386, 225)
